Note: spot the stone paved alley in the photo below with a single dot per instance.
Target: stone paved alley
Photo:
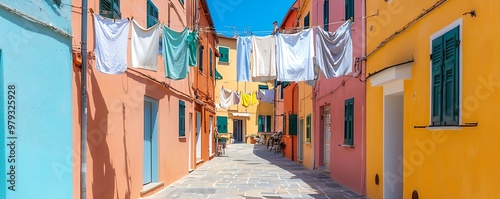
(252, 171)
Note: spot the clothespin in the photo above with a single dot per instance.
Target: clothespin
(91, 11)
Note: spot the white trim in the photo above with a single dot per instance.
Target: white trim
(240, 114)
(439, 33)
(396, 73)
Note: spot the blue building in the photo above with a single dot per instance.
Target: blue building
(36, 101)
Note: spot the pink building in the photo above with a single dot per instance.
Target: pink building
(339, 103)
(144, 130)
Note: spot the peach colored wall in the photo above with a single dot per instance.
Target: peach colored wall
(347, 164)
(205, 83)
(115, 115)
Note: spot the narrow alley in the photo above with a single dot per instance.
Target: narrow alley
(252, 171)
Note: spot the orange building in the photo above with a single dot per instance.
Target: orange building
(204, 83)
(141, 125)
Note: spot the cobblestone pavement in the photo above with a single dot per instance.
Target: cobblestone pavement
(252, 171)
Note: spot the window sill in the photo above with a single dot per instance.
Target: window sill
(447, 127)
(347, 145)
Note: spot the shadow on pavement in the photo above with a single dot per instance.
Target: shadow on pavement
(318, 183)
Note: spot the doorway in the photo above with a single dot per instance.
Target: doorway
(393, 145)
(238, 131)
(150, 154)
(327, 134)
(211, 135)
(198, 136)
(190, 139)
(300, 140)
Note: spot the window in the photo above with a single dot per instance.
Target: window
(224, 54)
(222, 124)
(306, 21)
(349, 122)
(445, 78)
(182, 2)
(263, 87)
(152, 14)
(264, 122)
(349, 10)
(200, 62)
(182, 118)
(110, 9)
(326, 14)
(292, 124)
(308, 128)
(211, 67)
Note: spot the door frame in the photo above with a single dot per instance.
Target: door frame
(300, 140)
(154, 139)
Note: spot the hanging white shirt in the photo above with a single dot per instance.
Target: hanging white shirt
(226, 98)
(295, 56)
(111, 39)
(145, 44)
(334, 51)
(264, 58)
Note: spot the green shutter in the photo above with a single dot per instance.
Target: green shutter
(450, 77)
(349, 9)
(211, 68)
(292, 124)
(224, 54)
(437, 74)
(110, 9)
(326, 14)
(222, 124)
(308, 128)
(445, 78)
(260, 124)
(182, 118)
(349, 122)
(268, 123)
(152, 14)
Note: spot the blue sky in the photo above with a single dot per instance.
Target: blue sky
(259, 15)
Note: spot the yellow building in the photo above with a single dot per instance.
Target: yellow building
(305, 115)
(239, 122)
(432, 94)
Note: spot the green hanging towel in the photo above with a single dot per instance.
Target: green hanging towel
(193, 46)
(175, 53)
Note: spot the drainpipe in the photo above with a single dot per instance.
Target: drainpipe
(196, 12)
(83, 153)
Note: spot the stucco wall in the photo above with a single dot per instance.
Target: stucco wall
(35, 85)
(443, 162)
(116, 115)
(347, 164)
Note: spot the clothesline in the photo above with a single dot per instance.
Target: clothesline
(290, 57)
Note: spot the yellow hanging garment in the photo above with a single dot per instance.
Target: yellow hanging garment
(246, 98)
(254, 98)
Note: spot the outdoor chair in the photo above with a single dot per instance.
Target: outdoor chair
(221, 148)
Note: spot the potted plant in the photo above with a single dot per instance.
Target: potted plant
(251, 138)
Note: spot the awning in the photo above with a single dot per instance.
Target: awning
(241, 114)
(217, 75)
